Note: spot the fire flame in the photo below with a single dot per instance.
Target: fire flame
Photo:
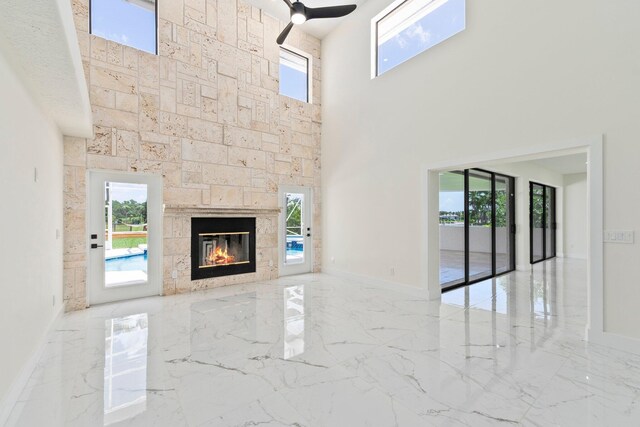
(220, 256)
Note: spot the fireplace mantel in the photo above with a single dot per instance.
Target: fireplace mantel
(213, 211)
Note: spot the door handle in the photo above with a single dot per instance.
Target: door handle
(95, 246)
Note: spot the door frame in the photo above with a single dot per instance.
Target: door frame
(553, 226)
(593, 145)
(307, 265)
(154, 240)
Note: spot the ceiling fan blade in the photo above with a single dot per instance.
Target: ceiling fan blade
(288, 2)
(329, 12)
(283, 35)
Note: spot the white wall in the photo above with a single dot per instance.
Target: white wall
(575, 216)
(521, 74)
(30, 214)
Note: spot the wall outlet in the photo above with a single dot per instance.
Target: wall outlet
(174, 274)
(619, 236)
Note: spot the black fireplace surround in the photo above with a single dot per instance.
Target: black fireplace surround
(222, 247)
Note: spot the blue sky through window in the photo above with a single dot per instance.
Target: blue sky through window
(132, 23)
(293, 75)
(438, 25)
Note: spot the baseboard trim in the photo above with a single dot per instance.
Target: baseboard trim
(382, 283)
(615, 341)
(19, 383)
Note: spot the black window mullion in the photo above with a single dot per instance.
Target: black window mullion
(531, 222)
(544, 222)
(466, 225)
(493, 224)
(512, 221)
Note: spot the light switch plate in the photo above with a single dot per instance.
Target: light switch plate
(619, 236)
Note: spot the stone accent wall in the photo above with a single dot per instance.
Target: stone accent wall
(205, 114)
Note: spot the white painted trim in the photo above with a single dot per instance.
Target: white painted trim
(20, 382)
(307, 265)
(595, 254)
(381, 283)
(154, 182)
(593, 145)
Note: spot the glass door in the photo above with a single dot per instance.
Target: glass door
(542, 222)
(505, 227)
(550, 222)
(125, 236)
(477, 226)
(295, 231)
(452, 228)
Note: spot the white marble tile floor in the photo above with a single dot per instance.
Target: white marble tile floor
(316, 350)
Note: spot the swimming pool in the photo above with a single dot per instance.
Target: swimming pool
(128, 263)
(139, 262)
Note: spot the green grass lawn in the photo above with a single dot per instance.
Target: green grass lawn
(131, 242)
(122, 227)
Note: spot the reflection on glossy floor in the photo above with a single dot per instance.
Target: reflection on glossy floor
(320, 351)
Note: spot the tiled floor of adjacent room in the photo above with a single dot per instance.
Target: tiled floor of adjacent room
(321, 351)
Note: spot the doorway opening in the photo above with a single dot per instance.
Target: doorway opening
(581, 237)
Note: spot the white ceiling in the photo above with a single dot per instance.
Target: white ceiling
(38, 39)
(574, 163)
(318, 27)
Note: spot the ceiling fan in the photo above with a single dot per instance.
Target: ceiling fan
(300, 13)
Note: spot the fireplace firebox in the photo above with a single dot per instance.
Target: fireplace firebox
(222, 247)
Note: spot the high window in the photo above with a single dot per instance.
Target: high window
(295, 75)
(129, 22)
(407, 28)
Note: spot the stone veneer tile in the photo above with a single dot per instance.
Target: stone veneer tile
(205, 114)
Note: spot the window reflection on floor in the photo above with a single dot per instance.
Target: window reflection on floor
(293, 321)
(125, 367)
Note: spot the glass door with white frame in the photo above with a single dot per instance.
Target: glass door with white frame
(295, 231)
(125, 236)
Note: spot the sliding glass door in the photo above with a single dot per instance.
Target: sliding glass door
(452, 228)
(542, 222)
(479, 225)
(477, 229)
(505, 225)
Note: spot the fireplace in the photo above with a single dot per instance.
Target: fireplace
(222, 247)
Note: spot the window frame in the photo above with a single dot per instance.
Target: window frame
(374, 34)
(309, 59)
(156, 43)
